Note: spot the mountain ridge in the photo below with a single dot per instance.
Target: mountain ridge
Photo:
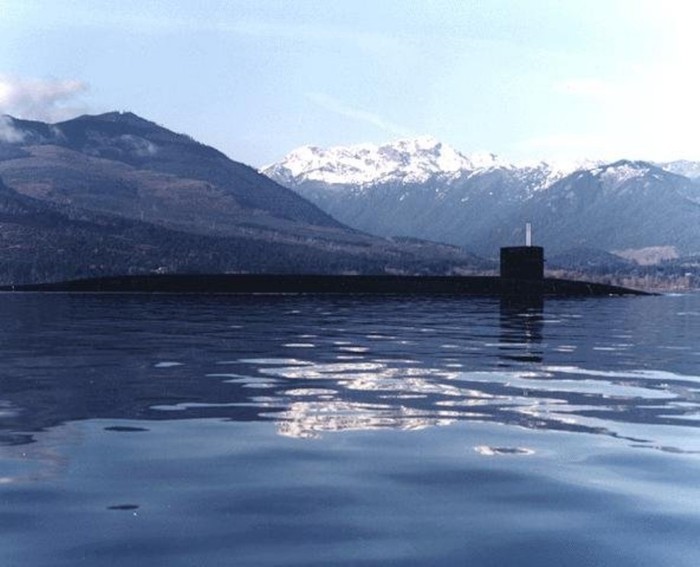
(625, 204)
(410, 160)
(173, 204)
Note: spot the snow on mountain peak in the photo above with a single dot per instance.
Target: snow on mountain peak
(414, 160)
(615, 174)
(686, 168)
(485, 160)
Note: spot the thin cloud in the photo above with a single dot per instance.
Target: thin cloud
(649, 113)
(586, 87)
(340, 108)
(50, 100)
(372, 43)
(566, 146)
(8, 133)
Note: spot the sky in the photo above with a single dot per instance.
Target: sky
(526, 80)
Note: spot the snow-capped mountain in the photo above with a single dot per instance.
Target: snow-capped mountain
(410, 161)
(406, 161)
(686, 168)
(426, 189)
(626, 205)
(118, 194)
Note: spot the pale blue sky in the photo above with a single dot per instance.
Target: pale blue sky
(526, 80)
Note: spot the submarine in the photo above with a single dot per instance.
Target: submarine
(521, 277)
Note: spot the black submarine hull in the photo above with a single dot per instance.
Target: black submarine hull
(488, 286)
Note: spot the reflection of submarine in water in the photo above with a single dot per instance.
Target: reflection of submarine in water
(522, 327)
(521, 276)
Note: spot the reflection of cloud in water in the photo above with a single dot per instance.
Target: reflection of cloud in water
(321, 393)
(329, 410)
(271, 361)
(45, 458)
(309, 419)
(167, 364)
(7, 409)
(493, 451)
(319, 371)
(349, 364)
(382, 393)
(650, 374)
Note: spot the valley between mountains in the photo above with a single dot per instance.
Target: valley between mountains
(623, 219)
(117, 194)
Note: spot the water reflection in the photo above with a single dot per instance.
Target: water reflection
(316, 365)
(547, 434)
(522, 326)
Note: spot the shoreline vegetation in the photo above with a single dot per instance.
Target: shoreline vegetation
(83, 199)
(651, 280)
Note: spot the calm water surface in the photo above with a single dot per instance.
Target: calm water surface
(292, 430)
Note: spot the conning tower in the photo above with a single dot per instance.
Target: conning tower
(523, 262)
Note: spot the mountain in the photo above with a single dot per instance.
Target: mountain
(686, 168)
(625, 205)
(422, 160)
(116, 193)
(589, 260)
(406, 161)
(122, 164)
(482, 202)
(419, 188)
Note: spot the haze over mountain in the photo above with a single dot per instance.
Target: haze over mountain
(116, 193)
(426, 189)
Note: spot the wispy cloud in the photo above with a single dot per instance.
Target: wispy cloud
(342, 109)
(644, 109)
(41, 99)
(649, 112)
(8, 133)
(370, 42)
(565, 141)
(587, 87)
(571, 146)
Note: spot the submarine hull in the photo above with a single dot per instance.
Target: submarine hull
(332, 284)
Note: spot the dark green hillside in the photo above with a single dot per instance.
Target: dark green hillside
(125, 165)
(40, 242)
(117, 194)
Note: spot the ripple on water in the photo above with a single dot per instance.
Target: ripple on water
(490, 451)
(276, 361)
(565, 459)
(167, 364)
(646, 374)
(357, 349)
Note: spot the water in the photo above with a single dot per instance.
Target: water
(291, 430)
